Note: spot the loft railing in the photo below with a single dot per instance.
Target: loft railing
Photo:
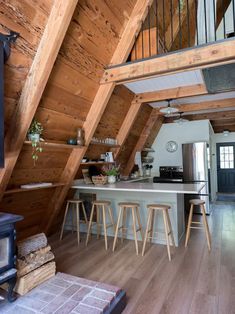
(173, 25)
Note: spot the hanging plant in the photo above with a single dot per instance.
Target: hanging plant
(34, 132)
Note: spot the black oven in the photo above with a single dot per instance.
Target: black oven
(169, 174)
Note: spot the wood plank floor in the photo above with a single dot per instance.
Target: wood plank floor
(195, 281)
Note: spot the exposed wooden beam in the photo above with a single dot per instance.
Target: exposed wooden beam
(153, 121)
(52, 38)
(97, 108)
(196, 58)
(222, 116)
(173, 93)
(126, 126)
(220, 129)
(207, 105)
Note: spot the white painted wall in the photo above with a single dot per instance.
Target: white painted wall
(188, 132)
(193, 131)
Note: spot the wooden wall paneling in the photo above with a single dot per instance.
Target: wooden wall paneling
(127, 125)
(133, 136)
(58, 126)
(98, 106)
(31, 205)
(200, 57)
(57, 24)
(153, 119)
(114, 114)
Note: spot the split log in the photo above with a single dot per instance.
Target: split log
(31, 244)
(34, 260)
(35, 278)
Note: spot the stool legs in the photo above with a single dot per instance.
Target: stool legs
(90, 223)
(65, 215)
(189, 225)
(124, 224)
(134, 229)
(148, 229)
(204, 223)
(98, 221)
(84, 213)
(206, 227)
(121, 209)
(170, 228)
(167, 234)
(105, 228)
(78, 222)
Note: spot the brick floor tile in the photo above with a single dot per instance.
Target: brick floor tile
(67, 307)
(101, 294)
(51, 289)
(41, 295)
(54, 305)
(93, 302)
(70, 291)
(32, 303)
(78, 296)
(60, 282)
(19, 310)
(83, 309)
(107, 287)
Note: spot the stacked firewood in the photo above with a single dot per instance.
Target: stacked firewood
(34, 263)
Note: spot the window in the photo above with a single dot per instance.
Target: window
(226, 157)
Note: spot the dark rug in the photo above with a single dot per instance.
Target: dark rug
(226, 197)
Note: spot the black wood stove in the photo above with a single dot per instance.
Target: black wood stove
(7, 251)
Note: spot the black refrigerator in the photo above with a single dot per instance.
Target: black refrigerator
(195, 170)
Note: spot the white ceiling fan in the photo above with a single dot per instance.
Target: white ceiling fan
(169, 109)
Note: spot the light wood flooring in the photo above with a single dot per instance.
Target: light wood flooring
(195, 281)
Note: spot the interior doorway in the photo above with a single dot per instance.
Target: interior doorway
(226, 167)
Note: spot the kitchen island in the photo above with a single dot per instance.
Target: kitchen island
(145, 193)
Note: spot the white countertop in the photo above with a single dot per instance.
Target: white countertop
(179, 188)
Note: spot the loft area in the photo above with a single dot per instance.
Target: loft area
(174, 25)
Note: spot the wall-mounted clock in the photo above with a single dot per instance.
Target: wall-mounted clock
(171, 146)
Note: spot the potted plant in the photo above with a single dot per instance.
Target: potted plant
(112, 173)
(34, 132)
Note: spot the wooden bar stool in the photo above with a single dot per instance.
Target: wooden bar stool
(101, 206)
(200, 203)
(77, 203)
(134, 207)
(167, 224)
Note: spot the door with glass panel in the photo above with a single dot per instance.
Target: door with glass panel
(226, 167)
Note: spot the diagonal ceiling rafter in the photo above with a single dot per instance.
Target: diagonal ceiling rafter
(52, 38)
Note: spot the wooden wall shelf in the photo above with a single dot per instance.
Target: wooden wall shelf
(90, 163)
(105, 144)
(18, 190)
(55, 144)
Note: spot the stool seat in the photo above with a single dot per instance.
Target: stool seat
(197, 202)
(75, 201)
(101, 202)
(158, 206)
(128, 204)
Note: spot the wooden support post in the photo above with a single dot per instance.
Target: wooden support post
(200, 57)
(127, 125)
(154, 120)
(52, 38)
(97, 108)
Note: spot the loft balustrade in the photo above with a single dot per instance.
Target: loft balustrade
(172, 25)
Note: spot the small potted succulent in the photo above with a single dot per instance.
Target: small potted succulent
(34, 132)
(112, 173)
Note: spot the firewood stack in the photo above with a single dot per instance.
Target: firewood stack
(34, 263)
